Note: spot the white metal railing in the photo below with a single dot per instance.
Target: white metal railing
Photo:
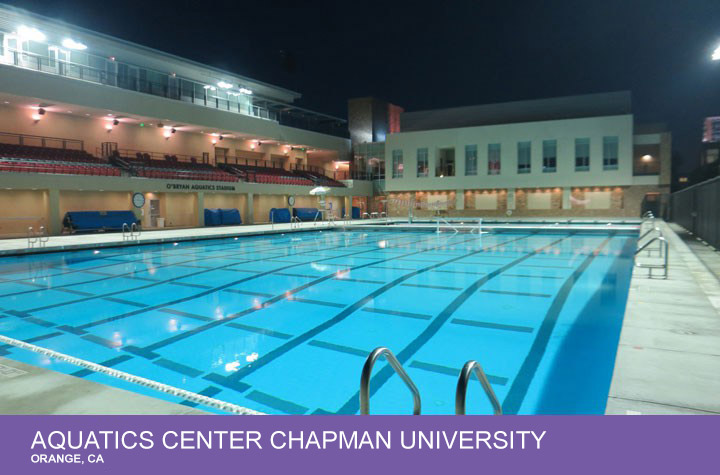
(149, 383)
(40, 237)
(130, 233)
(447, 223)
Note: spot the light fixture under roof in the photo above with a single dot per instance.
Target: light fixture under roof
(27, 33)
(70, 43)
(224, 85)
(245, 90)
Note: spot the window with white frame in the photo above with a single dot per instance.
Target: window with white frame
(610, 153)
(494, 159)
(422, 162)
(471, 160)
(397, 164)
(582, 155)
(549, 156)
(524, 157)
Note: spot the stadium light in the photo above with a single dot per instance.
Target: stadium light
(224, 85)
(27, 33)
(716, 54)
(69, 43)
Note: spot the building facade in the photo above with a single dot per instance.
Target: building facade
(572, 156)
(64, 87)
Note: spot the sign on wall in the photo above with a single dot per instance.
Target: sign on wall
(196, 187)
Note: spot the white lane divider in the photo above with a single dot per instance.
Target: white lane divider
(165, 388)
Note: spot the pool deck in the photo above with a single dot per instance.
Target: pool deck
(26, 389)
(69, 242)
(668, 359)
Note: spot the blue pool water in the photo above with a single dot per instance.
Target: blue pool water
(283, 323)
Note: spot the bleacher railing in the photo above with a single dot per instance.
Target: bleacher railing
(41, 141)
(170, 86)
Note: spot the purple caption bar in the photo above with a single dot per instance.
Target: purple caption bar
(345, 445)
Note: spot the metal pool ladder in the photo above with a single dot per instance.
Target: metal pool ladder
(40, 238)
(395, 364)
(131, 232)
(465, 374)
(664, 248)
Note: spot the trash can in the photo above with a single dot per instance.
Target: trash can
(160, 222)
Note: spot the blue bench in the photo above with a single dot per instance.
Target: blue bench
(86, 221)
(224, 217)
(306, 214)
(279, 215)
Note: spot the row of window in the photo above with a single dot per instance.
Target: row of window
(524, 158)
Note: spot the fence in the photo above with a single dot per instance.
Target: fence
(696, 209)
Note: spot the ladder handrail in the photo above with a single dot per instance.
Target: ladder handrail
(399, 370)
(135, 230)
(465, 374)
(664, 251)
(43, 236)
(654, 228)
(31, 237)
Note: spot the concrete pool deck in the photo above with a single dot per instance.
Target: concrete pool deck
(668, 359)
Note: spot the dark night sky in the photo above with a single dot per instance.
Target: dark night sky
(424, 55)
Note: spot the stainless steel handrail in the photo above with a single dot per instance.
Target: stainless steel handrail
(126, 231)
(135, 230)
(460, 393)
(43, 236)
(395, 364)
(31, 238)
(664, 247)
(295, 222)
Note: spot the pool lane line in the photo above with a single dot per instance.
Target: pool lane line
(223, 287)
(144, 261)
(382, 376)
(264, 246)
(79, 330)
(516, 395)
(159, 282)
(158, 386)
(310, 334)
(147, 351)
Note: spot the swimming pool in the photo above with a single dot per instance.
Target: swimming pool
(283, 324)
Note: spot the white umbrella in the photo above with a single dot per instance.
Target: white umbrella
(320, 190)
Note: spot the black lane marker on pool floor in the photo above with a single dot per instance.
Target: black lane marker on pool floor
(519, 387)
(141, 352)
(209, 291)
(418, 316)
(454, 372)
(147, 351)
(148, 260)
(310, 334)
(382, 376)
(492, 325)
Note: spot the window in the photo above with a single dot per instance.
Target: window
(494, 159)
(397, 164)
(422, 162)
(523, 157)
(610, 153)
(447, 162)
(549, 156)
(470, 159)
(582, 155)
